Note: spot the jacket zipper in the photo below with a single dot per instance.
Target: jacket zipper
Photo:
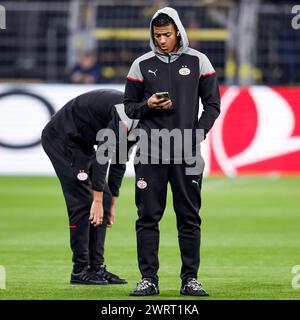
(169, 75)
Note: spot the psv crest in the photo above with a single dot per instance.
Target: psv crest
(184, 71)
(82, 176)
(141, 184)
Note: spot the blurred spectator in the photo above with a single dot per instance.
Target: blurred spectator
(87, 70)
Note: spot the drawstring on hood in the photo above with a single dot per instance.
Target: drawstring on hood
(184, 43)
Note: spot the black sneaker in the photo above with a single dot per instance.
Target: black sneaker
(146, 287)
(193, 288)
(87, 276)
(111, 278)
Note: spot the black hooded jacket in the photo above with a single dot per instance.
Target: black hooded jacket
(77, 125)
(187, 75)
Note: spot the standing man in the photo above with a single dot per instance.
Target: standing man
(68, 140)
(186, 75)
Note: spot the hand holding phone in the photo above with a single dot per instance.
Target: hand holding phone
(164, 95)
(160, 101)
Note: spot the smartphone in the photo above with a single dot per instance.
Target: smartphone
(164, 95)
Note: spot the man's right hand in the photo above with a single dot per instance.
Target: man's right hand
(159, 104)
(96, 213)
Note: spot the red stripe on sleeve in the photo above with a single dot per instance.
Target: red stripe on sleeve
(207, 74)
(135, 79)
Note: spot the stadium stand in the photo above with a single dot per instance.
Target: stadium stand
(43, 39)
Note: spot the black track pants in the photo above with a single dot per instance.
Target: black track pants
(151, 195)
(87, 242)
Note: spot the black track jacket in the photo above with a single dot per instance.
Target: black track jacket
(77, 124)
(187, 75)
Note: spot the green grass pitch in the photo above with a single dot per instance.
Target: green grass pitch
(250, 241)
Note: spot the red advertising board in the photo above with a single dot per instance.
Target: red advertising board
(258, 131)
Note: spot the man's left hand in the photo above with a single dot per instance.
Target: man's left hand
(112, 213)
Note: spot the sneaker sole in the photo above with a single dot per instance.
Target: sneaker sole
(144, 295)
(117, 283)
(195, 295)
(88, 283)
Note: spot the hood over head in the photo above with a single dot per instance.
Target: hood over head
(172, 13)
